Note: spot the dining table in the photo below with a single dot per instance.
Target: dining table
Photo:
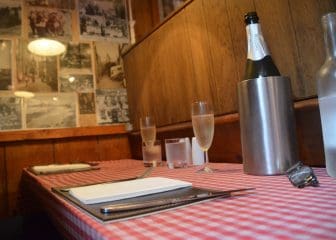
(275, 209)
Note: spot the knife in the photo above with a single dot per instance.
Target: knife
(122, 207)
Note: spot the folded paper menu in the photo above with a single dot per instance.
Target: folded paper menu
(121, 190)
(56, 168)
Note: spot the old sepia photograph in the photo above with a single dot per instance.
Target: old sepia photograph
(52, 111)
(10, 113)
(109, 68)
(112, 106)
(104, 20)
(47, 22)
(10, 18)
(5, 65)
(86, 103)
(64, 4)
(77, 83)
(77, 56)
(35, 73)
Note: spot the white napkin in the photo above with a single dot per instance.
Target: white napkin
(54, 168)
(121, 190)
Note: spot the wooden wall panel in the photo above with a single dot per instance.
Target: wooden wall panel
(3, 183)
(236, 10)
(199, 45)
(306, 17)
(76, 150)
(20, 155)
(111, 148)
(275, 20)
(152, 82)
(207, 57)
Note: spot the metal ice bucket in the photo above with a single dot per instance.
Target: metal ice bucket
(267, 125)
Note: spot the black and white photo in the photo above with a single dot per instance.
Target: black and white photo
(77, 83)
(52, 111)
(86, 103)
(64, 4)
(5, 65)
(77, 56)
(109, 68)
(48, 22)
(10, 18)
(10, 113)
(35, 73)
(104, 20)
(112, 106)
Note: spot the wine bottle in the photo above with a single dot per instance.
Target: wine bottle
(259, 61)
(326, 91)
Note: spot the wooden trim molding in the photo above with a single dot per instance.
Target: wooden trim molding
(41, 134)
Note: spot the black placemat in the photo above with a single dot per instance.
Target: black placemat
(94, 209)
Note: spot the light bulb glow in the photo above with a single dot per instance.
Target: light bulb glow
(46, 47)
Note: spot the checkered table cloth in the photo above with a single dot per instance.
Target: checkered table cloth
(276, 209)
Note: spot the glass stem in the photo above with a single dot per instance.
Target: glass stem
(206, 158)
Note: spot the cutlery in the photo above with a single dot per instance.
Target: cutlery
(114, 208)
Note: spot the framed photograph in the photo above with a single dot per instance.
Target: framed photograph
(5, 64)
(77, 57)
(52, 111)
(64, 4)
(49, 22)
(35, 73)
(77, 83)
(104, 20)
(10, 113)
(166, 7)
(86, 103)
(112, 106)
(10, 18)
(109, 68)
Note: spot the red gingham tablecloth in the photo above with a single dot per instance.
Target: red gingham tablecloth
(276, 209)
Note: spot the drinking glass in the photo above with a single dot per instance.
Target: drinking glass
(202, 116)
(148, 130)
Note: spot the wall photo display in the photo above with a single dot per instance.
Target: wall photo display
(67, 89)
(5, 64)
(10, 18)
(49, 22)
(35, 73)
(63, 4)
(10, 112)
(112, 106)
(51, 111)
(104, 20)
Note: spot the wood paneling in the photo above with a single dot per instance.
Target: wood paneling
(111, 148)
(21, 149)
(200, 53)
(40, 134)
(306, 17)
(19, 156)
(76, 150)
(3, 183)
(146, 15)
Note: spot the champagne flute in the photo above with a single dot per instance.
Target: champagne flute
(202, 117)
(148, 130)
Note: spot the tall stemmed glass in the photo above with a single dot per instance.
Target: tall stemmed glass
(148, 130)
(202, 116)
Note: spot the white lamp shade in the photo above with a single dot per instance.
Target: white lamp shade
(24, 94)
(46, 47)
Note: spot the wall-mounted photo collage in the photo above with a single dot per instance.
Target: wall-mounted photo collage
(85, 85)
